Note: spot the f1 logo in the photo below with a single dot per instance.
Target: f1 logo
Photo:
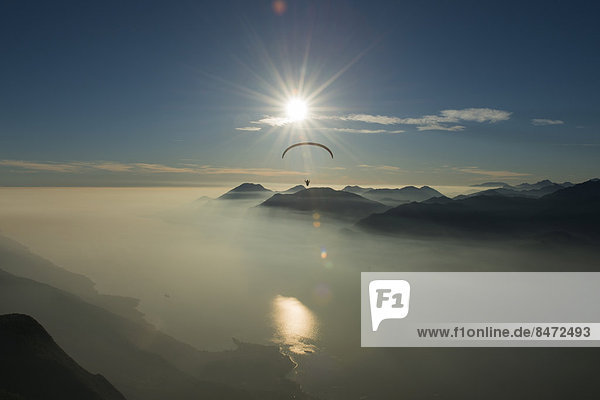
(389, 299)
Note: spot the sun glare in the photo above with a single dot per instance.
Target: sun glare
(296, 109)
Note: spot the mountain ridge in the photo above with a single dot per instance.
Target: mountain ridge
(34, 367)
(325, 200)
(245, 191)
(574, 211)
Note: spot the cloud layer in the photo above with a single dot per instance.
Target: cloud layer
(78, 167)
(494, 174)
(445, 120)
(546, 122)
(351, 130)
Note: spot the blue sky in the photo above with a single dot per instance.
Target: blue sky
(194, 93)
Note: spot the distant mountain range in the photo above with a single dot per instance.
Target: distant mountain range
(34, 367)
(254, 191)
(532, 193)
(541, 185)
(406, 194)
(491, 184)
(543, 209)
(523, 186)
(389, 197)
(394, 197)
(572, 212)
(327, 201)
(356, 189)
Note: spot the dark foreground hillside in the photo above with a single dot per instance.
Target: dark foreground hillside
(34, 367)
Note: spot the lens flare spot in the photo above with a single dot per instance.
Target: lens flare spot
(316, 224)
(316, 216)
(279, 7)
(323, 253)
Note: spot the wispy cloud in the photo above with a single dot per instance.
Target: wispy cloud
(445, 116)
(390, 168)
(248, 171)
(546, 122)
(370, 119)
(79, 167)
(441, 121)
(494, 174)
(438, 127)
(351, 130)
(108, 166)
(445, 120)
(272, 121)
(160, 168)
(476, 114)
(38, 166)
(249, 128)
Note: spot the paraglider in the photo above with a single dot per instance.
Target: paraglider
(307, 181)
(308, 144)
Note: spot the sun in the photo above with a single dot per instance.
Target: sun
(296, 109)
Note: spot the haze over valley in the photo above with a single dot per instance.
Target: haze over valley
(273, 268)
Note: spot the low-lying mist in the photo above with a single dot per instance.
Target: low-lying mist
(208, 270)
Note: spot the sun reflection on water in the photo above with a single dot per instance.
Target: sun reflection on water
(296, 326)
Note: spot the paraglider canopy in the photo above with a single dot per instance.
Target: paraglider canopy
(308, 144)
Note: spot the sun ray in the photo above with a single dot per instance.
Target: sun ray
(289, 102)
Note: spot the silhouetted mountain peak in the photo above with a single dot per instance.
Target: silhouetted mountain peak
(326, 200)
(319, 192)
(430, 190)
(294, 189)
(250, 187)
(246, 191)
